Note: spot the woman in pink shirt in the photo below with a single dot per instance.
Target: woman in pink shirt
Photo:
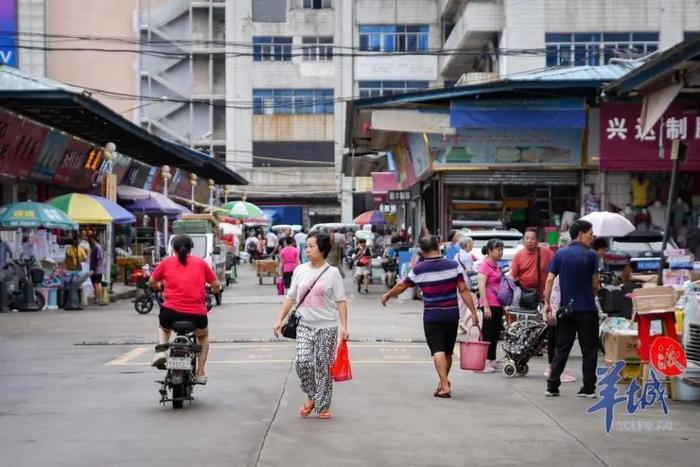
(489, 280)
(289, 260)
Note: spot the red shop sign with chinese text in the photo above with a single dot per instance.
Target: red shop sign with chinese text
(623, 148)
(72, 162)
(667, 356)
(27, 147)
(9, 123)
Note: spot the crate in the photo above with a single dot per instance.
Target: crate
(192, 227)
(653, 299)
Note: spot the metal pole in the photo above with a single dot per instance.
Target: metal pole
(672, 192)
(192, 197)
(165, 217)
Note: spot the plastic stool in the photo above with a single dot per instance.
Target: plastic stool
(644, 339)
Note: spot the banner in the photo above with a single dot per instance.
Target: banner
(565, 112)
(623, 148)
(508, 147)
(50, 156)
(72, 162)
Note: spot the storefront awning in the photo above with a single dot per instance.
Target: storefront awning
(68, 109)
(558, 113)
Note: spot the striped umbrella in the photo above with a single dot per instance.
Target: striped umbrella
(91, 209)
(34, 215)
(370, 217)
(243, 210)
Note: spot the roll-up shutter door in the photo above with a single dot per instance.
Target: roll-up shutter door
(512, 178)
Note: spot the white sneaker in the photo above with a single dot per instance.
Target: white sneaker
(495, 364)
(487, 369)
(159, 360)
(567, 377)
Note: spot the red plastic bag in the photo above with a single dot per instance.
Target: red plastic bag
(341, 371)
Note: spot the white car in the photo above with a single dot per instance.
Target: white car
(512, 242)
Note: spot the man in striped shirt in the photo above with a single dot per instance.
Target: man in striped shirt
(441, 281)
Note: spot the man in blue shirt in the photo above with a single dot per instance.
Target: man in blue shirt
(577, 268)
(452, 248)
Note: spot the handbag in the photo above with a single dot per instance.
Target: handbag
(530, 298)
(565, 312)
(363, 261)
(289, 329)
(506, 291)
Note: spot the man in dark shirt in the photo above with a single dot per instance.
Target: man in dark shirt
(577, 268)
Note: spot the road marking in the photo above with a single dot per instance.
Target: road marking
(127, 357)
(261, 361)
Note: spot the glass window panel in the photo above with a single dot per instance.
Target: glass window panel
(389, 43)
(616, 36)
(262, 40)
(364, 93)
(652, 48)
(411, 42)
(325, 40)
(645, 36)
(374, 42)
(423, 42)
(364, 42)
(587, 37)
(557, 37)
(370, 29)
(370, 84)
(552, 53)
(309, 40)
(412, 28)
(282, 40)
(401, 43)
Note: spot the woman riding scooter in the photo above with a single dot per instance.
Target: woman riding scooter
(185, 277)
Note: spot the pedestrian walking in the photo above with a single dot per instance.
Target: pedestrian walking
(441, 282)
(490, 276)
(318, 289)
(577, 269)
(289, 260)
(363, 262)
(465, 259)
(554, 301)
(97, 268)
(452, 248)
(271, 242)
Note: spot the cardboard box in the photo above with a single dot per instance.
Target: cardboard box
(653, 299)
(620, 345)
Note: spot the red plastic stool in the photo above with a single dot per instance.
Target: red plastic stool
(644, 339)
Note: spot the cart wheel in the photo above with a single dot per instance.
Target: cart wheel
(260, 280)
(509, 370)
(523, 369)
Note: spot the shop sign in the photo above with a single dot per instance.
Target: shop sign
(508, 147)
(420, 153)
(622, 146)
(8, 132)
(559, 113)
(72, 162)
(27, 145)
(399, 196)
(387, 208)
(50, 156)
(406, 173)
(8, 26)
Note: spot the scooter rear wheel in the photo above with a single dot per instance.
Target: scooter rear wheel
(178, 393)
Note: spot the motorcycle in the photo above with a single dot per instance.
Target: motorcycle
(21, 278)
(180, 365)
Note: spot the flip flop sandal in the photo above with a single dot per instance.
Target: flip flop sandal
(324, 415)
(444, 395)
(304, 411)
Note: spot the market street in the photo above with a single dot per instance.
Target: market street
(76, 389)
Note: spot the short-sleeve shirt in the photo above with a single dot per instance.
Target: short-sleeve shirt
(451, 250)
(289, 256)
(493, 280)
(439, 280)
(320, 307)
(271, 240)
(97, 260)
(523, 267)
(575, 265)
(185, 284)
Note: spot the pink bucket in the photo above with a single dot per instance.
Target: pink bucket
(280, 286)
(472, 354)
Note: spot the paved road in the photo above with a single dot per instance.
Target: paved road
(76, 389)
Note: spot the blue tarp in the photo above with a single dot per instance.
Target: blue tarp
(568, 112)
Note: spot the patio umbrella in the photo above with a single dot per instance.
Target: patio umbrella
(243, 210)
(370, 217)
(91, 209)
(609, 224)
(149, 202)
(34, 215)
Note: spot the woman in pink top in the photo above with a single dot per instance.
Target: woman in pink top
(289, 260)
(489, 280)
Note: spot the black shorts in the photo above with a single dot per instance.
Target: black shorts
(167, 317)
(441, 337)
(96, 278)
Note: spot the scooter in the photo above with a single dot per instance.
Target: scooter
(181, 365)
(21, 278)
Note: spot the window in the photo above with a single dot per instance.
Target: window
(292, 101)
(271, 11)
(387, 88)
(394, 38)
(597, 48)
(687, 35)
(272, 49)
(318, 4)
(318, 48)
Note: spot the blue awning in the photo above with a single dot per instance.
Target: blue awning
(567, 112)
(291, 215)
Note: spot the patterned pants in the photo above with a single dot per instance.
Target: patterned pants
(315, 355)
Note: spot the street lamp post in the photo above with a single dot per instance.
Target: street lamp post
(193, 183)
(165, 172)
(108, 154)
